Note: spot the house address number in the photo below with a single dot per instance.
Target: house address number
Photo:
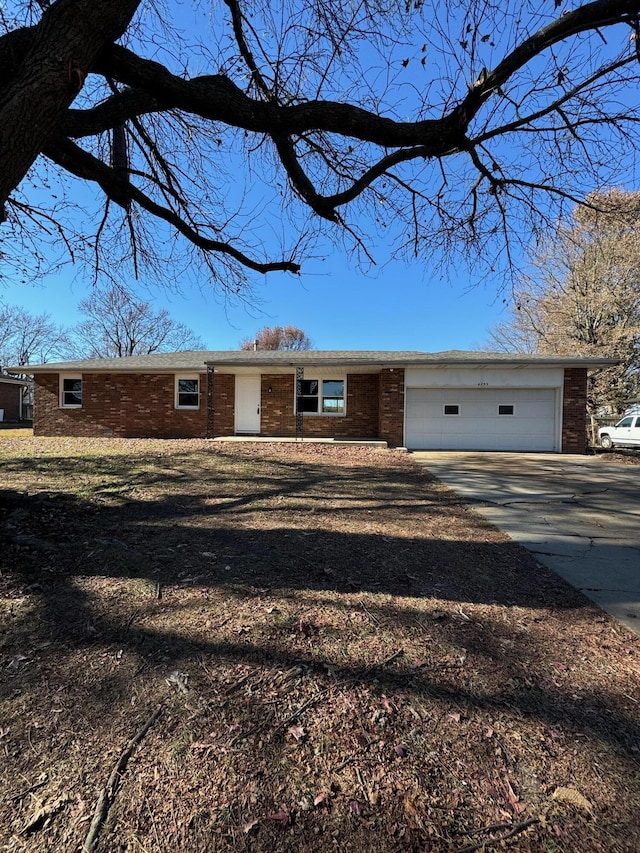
(482, 384)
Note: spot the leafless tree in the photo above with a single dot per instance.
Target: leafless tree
(278, 338)
(439, 125)
(26, 338)
(117, 324)
(582, 296)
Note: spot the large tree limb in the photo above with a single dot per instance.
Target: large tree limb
(592, 16)
(84, 165)
(64, 46)
(216, 97)
(42, 69)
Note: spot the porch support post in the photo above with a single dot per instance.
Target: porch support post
(210, 426)
(299, 409)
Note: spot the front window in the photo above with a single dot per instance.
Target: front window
(333, 396)
(187, 392)
(451, 409)
(322, 397)
(625, 422)
(308, 400)
(71, 392)
(506, 409)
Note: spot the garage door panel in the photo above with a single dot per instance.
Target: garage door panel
(478, 426)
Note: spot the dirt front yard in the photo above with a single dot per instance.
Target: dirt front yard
(293, 648)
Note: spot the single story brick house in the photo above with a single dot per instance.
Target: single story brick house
(451, 400)
(12, 397)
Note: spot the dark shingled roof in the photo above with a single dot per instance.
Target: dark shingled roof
(197, 360)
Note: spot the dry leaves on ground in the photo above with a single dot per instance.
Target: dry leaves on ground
(345, 655)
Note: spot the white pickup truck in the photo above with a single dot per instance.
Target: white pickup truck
(626, 433)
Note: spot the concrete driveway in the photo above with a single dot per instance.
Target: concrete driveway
(579, 515)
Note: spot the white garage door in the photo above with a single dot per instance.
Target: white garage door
(481, 419)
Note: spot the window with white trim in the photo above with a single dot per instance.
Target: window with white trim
(187, 392)
(322, 397)
(451, 409)
(71, 392)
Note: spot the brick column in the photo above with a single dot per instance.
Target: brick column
(574, 410)
(391, 406)
(209, 399)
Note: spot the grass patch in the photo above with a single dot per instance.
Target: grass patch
(346, 658)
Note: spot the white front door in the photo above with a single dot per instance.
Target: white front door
(248, 404)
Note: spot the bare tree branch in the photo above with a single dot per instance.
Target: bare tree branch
(84, 165)
(372, 150)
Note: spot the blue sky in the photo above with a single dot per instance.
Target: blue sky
(399, 306)
(396, 305)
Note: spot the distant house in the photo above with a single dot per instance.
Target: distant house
(449, 400)
(12, 399)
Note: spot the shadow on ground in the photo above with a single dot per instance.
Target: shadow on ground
(362, 580)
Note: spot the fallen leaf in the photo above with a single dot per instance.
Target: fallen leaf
(321, 799)
(201, 745)
(400, 751)
(356, 807)
(455, 716)
(512, 797)
(249, 826)
(282, 816)
(572, 796)
(296, 732)
(43, 815)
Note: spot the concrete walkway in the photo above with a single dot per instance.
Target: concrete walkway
(579, 515)
(263, 439)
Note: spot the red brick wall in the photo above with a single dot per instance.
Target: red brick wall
(574, 410)
(276, 406)
(391, 418)
(224, 396)
(138, 405)
(10, 400)
(360, 421)
(126, 405)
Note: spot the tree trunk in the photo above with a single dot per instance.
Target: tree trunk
(65, 43)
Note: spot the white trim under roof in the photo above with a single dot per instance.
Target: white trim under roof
(14, 380)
